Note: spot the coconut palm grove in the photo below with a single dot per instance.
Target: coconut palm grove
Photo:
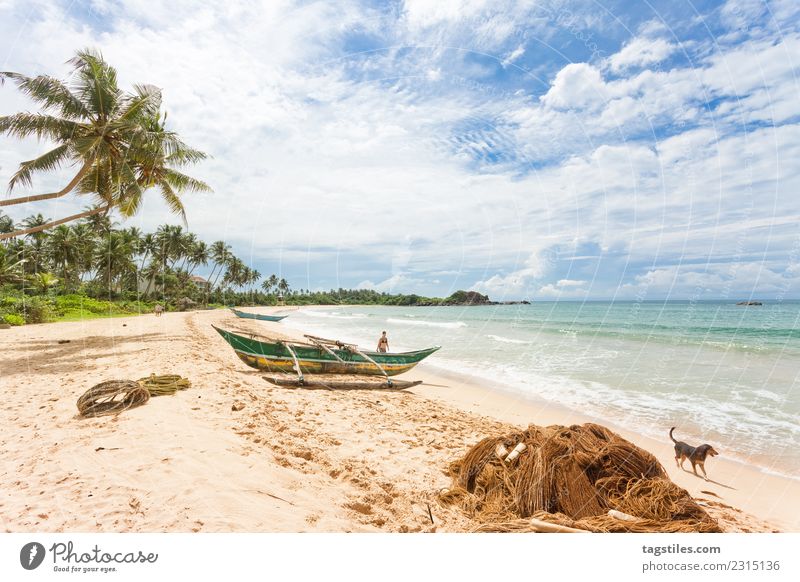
(88, 264)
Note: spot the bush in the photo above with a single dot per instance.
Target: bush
(65, 303)
(36, 309)
(13, 319)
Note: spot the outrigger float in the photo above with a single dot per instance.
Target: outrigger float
(322, 356)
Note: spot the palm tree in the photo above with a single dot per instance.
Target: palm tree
(233, 272)
(63, 250)
(100, 224)
(30, 223)
(6, 224)
(171, 243)
(199, 255)
(269, 285)
(117, 140)
(114, 260)
(86, 242)
(37, 241)
(155, 155)
(10, 266)
(283, 286)
(220, 254)
(187, 244)
(42, 282)
(147, 246)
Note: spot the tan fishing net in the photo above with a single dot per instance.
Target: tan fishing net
(570, 476)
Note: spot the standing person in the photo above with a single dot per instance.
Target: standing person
(383, 343)
(158, 309)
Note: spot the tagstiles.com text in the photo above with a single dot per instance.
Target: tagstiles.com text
(675, 550)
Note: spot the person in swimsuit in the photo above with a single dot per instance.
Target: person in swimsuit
(383, 343)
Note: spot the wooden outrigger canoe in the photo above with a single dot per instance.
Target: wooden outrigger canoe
(320, 356)
(245, 315)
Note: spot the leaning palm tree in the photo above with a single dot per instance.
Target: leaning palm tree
(116, 140)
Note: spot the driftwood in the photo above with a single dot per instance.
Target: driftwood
(623, 516)
(547, 527)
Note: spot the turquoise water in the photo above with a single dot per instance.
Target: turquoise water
(722, 373)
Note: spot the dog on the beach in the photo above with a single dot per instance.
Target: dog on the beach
(696, 455)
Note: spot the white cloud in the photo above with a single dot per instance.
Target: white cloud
(551, 291)
(570, 283)
(513, 55)
(576, 86)
(641, 52)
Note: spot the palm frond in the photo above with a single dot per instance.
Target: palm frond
(145, 103)
(173, 201)
(22, 125)
(185, 156)
(44, 163)
(50, 93)
(129, 198)
(97, 83)
(182, 182)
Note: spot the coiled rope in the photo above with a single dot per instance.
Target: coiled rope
(115, 396)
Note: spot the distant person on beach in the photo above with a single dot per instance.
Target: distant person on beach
(383, 343)
(158, 309)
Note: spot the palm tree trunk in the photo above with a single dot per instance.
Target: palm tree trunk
(54, 223)
(35, 198)
(144, 258)
(211, 275)
(217, 279)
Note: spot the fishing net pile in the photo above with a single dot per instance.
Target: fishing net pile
(570, 476)
(115, 396)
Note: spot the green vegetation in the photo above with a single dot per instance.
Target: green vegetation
(92, 269)
(17, 308)
(370, 297)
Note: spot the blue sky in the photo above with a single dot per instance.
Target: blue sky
(536, 150)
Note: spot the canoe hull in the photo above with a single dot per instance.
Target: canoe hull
(245, 315)
(274, 357)
(333, 383)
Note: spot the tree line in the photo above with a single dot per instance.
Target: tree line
(95, 257)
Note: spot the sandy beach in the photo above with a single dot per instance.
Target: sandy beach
(290, 460)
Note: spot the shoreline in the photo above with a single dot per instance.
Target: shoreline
(290, 460)
(533, 402)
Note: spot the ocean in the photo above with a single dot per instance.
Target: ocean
(722, 373)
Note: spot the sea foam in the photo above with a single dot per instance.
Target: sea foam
(426, 323)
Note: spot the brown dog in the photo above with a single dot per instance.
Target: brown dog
(696, 455)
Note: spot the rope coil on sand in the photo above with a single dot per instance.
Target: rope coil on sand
(570, 477)
(112, 397)
(115, 396)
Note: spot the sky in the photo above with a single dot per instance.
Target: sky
(527, 150)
